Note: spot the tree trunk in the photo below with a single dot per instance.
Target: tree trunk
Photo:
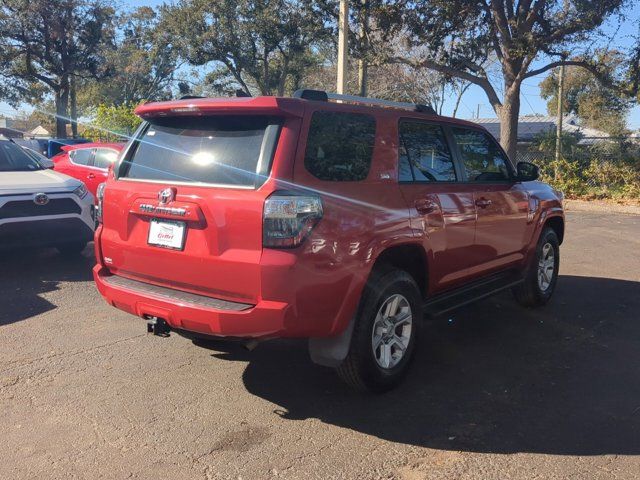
(73, 109)
(508, 114)
(62, 104)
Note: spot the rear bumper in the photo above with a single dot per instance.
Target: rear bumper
(194, 313)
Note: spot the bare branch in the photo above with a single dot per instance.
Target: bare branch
(577, 63)
(482, 82)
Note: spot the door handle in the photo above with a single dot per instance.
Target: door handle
(425, 206)
(91, 175)
(483, 202)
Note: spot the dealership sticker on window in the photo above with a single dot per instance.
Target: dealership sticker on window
(167, 234)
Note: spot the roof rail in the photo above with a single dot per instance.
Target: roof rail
(322, 96)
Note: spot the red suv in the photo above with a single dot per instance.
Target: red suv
(88, 162)
(343, 222)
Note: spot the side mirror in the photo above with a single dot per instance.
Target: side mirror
(527, 171)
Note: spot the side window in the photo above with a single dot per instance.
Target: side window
(104, 158)
(81, 156)
(482, 158)
(340, 146)
(424, 154)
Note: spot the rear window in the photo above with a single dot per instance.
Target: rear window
(340, 145)
(81, 156)
(105, 157)
(221, 150)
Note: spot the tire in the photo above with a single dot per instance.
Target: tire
(363, 367)
(535, 292)
(71, 248)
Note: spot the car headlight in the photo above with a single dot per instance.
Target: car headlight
(80, 192)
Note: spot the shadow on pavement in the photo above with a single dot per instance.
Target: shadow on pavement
(27, 274)
(495, 377)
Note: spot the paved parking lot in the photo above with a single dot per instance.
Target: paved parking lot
(496, 392)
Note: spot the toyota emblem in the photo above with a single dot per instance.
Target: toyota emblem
(41, 199)
(165, 196)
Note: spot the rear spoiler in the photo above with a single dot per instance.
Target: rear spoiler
(283, 106)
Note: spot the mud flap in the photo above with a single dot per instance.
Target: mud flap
(331, 351)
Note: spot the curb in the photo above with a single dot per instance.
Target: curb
(600, 206)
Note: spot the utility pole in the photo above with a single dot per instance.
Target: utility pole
(343, 46)
(362, 63)
(560, 114)
(478, 112)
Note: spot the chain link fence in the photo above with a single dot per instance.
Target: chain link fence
(592, 168)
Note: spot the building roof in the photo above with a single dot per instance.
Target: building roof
(530, 126)
(40, 131)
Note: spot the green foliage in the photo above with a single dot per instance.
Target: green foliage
(597, 105)
(596, 179)
(141, 66)
(112, 123)
(545, 142)
(261, 46)
(46, 45)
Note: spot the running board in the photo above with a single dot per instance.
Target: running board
(473, 292)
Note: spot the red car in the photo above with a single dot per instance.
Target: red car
(342, 222)
(88, 162)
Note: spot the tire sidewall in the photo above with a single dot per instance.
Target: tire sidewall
(548, 236)
(376, 377)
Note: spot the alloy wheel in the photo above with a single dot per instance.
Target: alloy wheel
(392, 330)
(546, 266)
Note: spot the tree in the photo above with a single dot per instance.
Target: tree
(112, 123)
(46, 46)
(514, 35)
(260, 45)
(143, 64)
(27, 121)
(597, 105)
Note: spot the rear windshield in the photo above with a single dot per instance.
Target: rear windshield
(14, 159)
(221, 150)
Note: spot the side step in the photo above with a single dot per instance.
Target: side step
(473, 292)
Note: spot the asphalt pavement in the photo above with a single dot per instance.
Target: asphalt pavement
(497, 391)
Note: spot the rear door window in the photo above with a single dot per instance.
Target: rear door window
(340, 146)
(104, 158)
(219, 150)
(483, 160)
(81, 156)
(424, 153)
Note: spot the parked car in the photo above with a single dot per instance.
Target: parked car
(55, 145)
(88, 162)
(38, 157)
(40, 207)
(342, 222)
(40, 145)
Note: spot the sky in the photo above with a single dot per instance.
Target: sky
(475, 99)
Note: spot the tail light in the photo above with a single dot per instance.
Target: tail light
(289, 218)
(100, 197)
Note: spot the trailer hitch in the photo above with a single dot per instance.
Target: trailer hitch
(158, 327)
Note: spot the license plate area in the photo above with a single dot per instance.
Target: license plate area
(167, 234)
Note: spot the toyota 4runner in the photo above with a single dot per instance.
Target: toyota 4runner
(339, 219)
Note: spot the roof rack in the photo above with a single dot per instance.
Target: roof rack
(322, 96)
